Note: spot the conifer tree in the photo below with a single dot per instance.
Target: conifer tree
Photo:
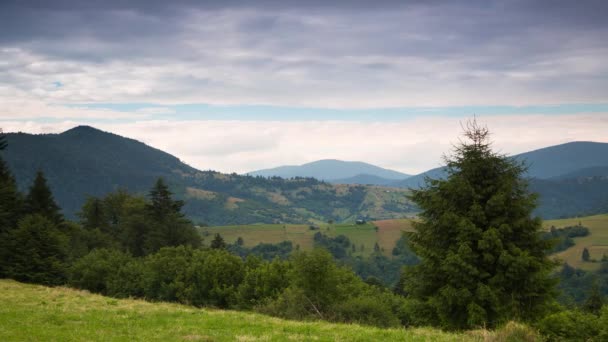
(37, 251)
(11, 205)
(162, 203)
(40, 200)
(585, 255)
(482, 258)
(168, 225)
(595, 300)
(218, 242)
(11, 201)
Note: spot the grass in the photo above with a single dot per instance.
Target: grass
(596, 242)
(38, 313)
(389, 231)
(366, 235)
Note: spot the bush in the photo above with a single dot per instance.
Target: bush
(101, 271)
(215, 276)
(366, 310)
(570, 325)
(263, 281)
(166, 275)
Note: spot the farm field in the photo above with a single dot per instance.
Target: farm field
(389, 231)
(386, 234)
(38, 313)
(596, 242)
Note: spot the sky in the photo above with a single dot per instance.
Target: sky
(237, 86)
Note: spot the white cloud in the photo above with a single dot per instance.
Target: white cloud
(409, 146)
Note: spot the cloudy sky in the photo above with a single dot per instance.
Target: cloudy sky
(236, 86)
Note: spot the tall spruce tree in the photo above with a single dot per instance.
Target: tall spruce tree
(11, 205)
(482, 258)
(169, 227)
(39, 200)
(162, 204)
(11, 201)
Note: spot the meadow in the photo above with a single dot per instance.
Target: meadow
(596, 242)
(385, 233)
(389, 231)
(38, 313)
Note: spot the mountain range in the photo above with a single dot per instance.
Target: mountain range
(85, 161)
(571, 179)
(335, 171)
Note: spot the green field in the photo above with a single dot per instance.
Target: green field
(596, 242)
(38, 313)
(386, 234)
(389, 231)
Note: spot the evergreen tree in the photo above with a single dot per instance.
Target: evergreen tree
(37, 251)
(585, 255)
(162, 203)
(482, 258)
(93, 214)
(594, 301)
(11, 201)
(40, 200)
(218, 242)
(168, 225)
(11, 205)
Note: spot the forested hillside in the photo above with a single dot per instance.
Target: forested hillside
(84, 162)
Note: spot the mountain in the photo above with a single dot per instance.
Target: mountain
(571, 179)
(363, 179)
(85, 161)
(545, 163)
(329, 170)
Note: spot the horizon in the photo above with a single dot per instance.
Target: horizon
(238, 87)
(290, 165)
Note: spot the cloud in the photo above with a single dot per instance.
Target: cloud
(410, 146)
(338, 55)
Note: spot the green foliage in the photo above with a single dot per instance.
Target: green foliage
(109, 272)
(482, 259)
(216, 275)
(263, 281)
(39, 200)
(218, 242)
(569, 326)
(366, 310)
(594, 301)
(562, 237)
(36, 251)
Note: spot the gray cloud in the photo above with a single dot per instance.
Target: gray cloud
(350, 53)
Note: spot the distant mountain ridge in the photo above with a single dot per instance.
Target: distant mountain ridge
(85, 161)
(545, 163)
(332, 170)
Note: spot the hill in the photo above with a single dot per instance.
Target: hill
(571, 179)
(558, 161)
(84, 161)
(330, 170)
(364, 179)
(38, 313)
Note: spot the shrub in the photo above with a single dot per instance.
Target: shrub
(366, 310)
(570, 325)
(100, 268)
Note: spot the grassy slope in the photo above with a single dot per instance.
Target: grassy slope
(389, 231)
(32, 312)
(596, 242)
